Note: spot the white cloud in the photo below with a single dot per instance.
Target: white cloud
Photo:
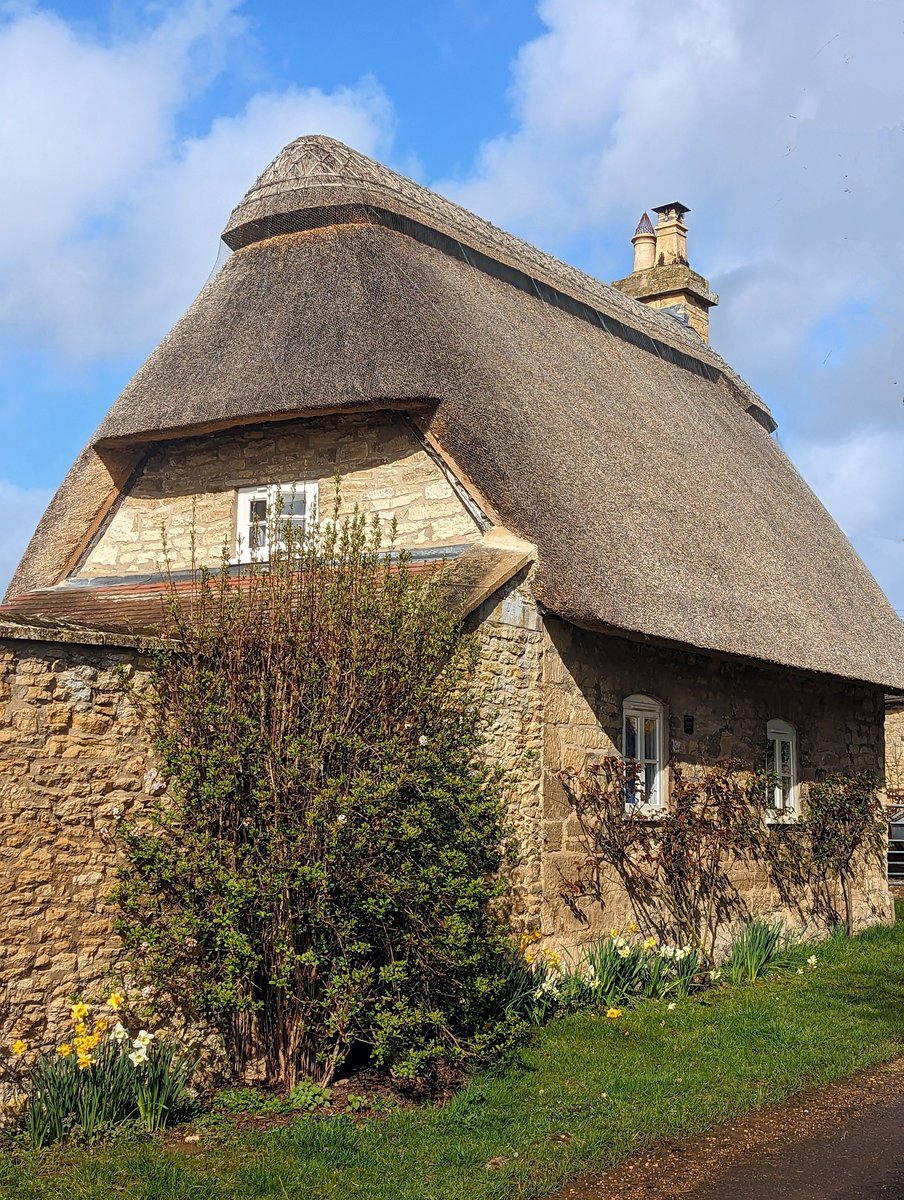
(111, 222)
(22, 509)
(782, 126)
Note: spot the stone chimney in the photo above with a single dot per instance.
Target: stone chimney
(661, 277)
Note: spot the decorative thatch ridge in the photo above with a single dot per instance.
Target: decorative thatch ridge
(316, 173)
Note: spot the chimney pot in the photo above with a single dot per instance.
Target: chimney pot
(644, 242)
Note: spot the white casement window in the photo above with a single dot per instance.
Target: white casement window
(781, 766)
(296, 503)
(642, 743)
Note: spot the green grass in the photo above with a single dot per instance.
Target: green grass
(613, 1087)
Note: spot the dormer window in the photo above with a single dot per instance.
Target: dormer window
(295, 503)
(781, 766)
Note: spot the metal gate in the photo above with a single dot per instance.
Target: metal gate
(896, 843)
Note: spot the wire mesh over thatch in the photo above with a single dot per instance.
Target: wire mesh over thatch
(605, 433)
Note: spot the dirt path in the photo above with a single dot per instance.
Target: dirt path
(844, 1141)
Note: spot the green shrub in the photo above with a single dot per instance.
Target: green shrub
(249, 1100)
(323, 870)
(308, 1096)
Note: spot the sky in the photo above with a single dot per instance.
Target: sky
(129, 131)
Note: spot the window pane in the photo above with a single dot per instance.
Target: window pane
(649, 782)
(631, 738)
(257, 524)
(650, 749)
(294, 505)
(770, 757)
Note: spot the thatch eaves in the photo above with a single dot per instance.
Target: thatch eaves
(602, 432)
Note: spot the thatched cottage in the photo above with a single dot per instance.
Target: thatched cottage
(649, 572)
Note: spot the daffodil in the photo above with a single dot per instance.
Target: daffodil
(613, 933)
(139, 1056)
(613, 1014)
(101, 1025)
(143, 1039)
(116, 1000)
(80, 1028)
(84, 1061)
(632, 927)
(119, 1033)
(79, 1011)
(64, 1050)
(650, 944)
(19, 1047)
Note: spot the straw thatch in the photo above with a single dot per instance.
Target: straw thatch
(601, 431)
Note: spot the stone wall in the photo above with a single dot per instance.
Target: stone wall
(894, 750)
(511, 634)
(73, 762)
(191, 486)
(75, 758)
(586, 678)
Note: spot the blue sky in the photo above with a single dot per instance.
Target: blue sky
(128, 132)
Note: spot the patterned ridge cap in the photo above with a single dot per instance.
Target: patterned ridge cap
(331, 164)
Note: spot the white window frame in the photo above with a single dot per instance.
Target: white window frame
(271, 493)
(779, 733)
(641, 708)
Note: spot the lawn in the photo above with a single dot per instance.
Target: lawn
(586, 1093)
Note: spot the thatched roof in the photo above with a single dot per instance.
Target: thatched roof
(607, 434)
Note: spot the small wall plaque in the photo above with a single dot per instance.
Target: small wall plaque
(688, 722)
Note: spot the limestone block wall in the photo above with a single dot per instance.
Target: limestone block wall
(189, 487)
(73, 761)
(75, 757)
(586, 678)
(894, 750)
(511, 633)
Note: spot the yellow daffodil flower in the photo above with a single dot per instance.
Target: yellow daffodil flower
(79, 1011)
(64, 1050)
(632, 927)
(613, 1014)
(116, 1000)
(84, 1062)
(100, 1025)
(80, 1028)
(19, 1047)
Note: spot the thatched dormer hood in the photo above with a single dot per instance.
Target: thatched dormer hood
(607, 434)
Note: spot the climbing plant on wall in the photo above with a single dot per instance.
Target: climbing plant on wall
(320, 875)
(682, 871)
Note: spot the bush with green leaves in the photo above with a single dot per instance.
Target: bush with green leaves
(308, 1096)
(324, 869)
